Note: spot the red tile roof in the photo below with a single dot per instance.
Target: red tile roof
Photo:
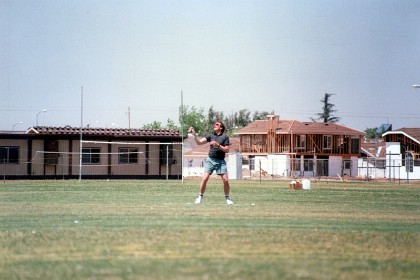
(94, 131)
(375, 148)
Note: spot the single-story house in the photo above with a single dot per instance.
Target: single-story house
(54, 152)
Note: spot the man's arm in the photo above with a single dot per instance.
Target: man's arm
(225, 146)
(198, 141)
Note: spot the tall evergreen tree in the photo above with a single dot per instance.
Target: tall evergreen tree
(327, 110)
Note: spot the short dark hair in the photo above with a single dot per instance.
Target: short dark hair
(222, 125)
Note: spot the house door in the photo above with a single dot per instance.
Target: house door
(346, 168)
(322, 167)
(51, 157)
(50, 169)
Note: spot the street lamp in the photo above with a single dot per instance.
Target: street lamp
(416, 86)
(16, 124)
(42, 111)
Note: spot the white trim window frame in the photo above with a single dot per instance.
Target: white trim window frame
(300, 142)
(327, 142)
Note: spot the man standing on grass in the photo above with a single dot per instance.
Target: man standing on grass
(219, 146)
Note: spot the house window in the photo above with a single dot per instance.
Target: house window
(327, 142)
(128, 155)
(246, 143)
(346, 164)
(409, 162)
(296, 164)
(167, 154)
(251, 163)
(340, 140)
(300, 141)
(259, 145)
(91, 156)
(258, 140)
(308, 165)
(9, 155)
(354, 146)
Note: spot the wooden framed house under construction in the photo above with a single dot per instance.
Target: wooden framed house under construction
(292, 148)
(403, 153)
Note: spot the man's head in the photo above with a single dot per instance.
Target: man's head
(219, 126)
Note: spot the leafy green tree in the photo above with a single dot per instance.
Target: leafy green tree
(371, 132)
(213, 116)
(327, 110)
(153, 125)
(261, 115)
(195, 117)
(171, 125)
(242, 118)
(192, 117)
(158, 125)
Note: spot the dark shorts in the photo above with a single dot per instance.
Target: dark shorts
(214, 164)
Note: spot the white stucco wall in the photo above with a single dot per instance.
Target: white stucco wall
(394, 166)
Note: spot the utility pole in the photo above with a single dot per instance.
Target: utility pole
(129, 118)
(81, 136)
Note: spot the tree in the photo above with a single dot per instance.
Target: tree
(261, 115)
(376, 132)
(327, 110)
(213, 116)
(158, 125)
(195, 117)
(153, 125)
(242, 118)
(171, 125)
(192, 117)
(372, 132)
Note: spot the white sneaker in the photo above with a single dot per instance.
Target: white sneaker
(199, 199)
(229, 201)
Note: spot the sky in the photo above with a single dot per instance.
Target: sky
(121, 63)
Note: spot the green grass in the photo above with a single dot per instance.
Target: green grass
(153, 230)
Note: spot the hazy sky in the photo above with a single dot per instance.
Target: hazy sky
(279, 55)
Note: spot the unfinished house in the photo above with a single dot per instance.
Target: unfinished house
(372, 163)
(402, 153)
(289, 148)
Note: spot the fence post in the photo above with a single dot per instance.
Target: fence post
(167, 161)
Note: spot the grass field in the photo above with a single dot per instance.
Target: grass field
(153, 230)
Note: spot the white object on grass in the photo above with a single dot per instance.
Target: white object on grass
(306, 184)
